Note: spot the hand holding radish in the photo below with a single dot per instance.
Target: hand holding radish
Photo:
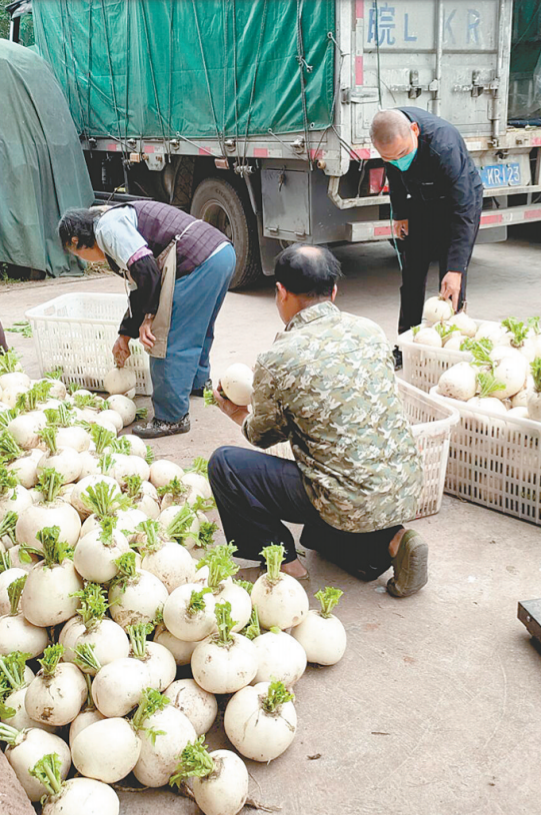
(121, 350)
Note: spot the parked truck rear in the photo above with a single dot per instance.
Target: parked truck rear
(255, 115)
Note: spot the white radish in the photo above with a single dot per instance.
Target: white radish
(454, 341)
(322, 635)
(26, 469)
(261, 721)
(465, 324)
(91, 481)
(200, 707)
(125, 408)
(224, 662)
(518, 413)
(16, 633)
(493, 332)
(197, 482)
(117, 688)
(488, 403)
(86, 717)
(427, 336)
(159, 755)
(108, 640)
(58, 692)
(280, 600)
(14, 499)
(437, 310)
(26, 748)
(26, 427)
(511, 370)
(137, 445)
(96, 552)
(182, 651)
(279, 657)
(53, 512)
(221, 783)
(119, 380)
(162, 472)
(126, 466)
(50, 589)
(181, 523)
(458, 382)
(107, 751)
(6, 579)
(74, 437)
(188, 613)
(157, 659)
(82, 795)
(135, 596)
(17, 378)
(237, 384)
(111, 417)
(241, 604)
(66, 461)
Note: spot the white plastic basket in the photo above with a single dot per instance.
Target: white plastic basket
(431, 422)
(495, 461)
(423, 365)
(76, 332)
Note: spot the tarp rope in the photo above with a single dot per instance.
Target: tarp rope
(153, 75)
(74, 64)
(110, 61)
(218, 135)
(256, 67)
(302, 65)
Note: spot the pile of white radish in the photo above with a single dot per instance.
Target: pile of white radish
(501, 369)
(109, 582)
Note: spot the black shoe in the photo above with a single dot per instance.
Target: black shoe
(201, 391)
(156, 428)
(397, 354)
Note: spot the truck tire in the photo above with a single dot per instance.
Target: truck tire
(217, 202)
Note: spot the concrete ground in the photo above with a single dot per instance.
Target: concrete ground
(436, 707)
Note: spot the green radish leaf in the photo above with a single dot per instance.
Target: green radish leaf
(195, 762)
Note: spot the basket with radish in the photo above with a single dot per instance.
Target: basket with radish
(495, 453)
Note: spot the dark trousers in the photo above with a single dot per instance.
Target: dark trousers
(428, 240)
(256, 492)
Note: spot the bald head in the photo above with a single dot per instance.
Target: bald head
(388, 125)
(393, 134)
(310, 271)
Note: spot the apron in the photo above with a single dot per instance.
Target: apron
(167, 264)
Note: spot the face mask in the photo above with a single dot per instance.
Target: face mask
(404, 162)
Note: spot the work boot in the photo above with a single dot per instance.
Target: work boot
(397, 354)
(157, 428)
(201, 391)
(410, 565)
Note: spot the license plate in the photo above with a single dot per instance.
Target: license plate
(500, 175)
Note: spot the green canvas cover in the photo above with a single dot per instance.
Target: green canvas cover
(42, 168)
(195, 67)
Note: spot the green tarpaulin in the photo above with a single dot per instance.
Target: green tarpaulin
(155, 68)
(42, 168)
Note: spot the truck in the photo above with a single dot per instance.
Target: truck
(254, 114)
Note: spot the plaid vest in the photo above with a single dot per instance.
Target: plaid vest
(159, 223)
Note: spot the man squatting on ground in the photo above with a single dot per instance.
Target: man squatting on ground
(179, 269)
(436, 203)
(328, 386)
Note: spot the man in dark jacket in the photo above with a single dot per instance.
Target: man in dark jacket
(131, 238)
(436, 199)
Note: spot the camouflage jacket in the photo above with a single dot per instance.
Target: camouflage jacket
(328, 386)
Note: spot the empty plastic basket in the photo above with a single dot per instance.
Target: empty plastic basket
(76, 332)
